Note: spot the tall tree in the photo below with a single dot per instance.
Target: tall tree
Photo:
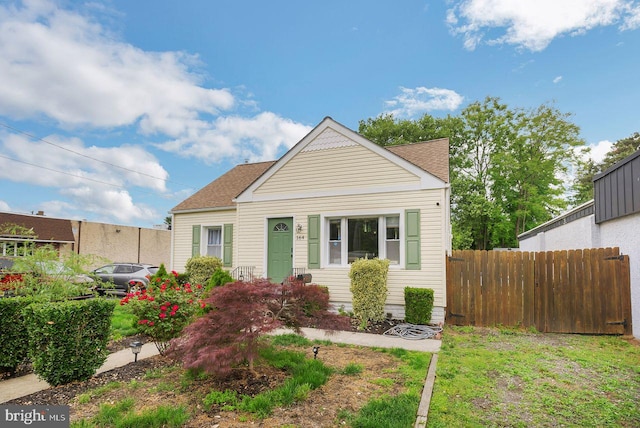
(505, 166)
(528, 173)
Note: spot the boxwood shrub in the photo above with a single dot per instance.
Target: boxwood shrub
(418, 305)
(68, 340)
(14, 332)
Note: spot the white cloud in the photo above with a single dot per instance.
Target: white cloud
(97, 187)
(63, 66)
(4, 206)
(632, 20)
(67, 67)
(256, 138)
(557, 79)
(533, 24)
(599, 150)
(413, 102)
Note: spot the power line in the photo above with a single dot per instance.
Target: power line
(70, 174)
(85, 156)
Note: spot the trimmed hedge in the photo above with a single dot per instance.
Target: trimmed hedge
(369, 289)
(68, 340)
(418, 305)
(14, 332)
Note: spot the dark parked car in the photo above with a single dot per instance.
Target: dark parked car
(126, 277)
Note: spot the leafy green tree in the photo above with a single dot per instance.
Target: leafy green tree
(505, 166)
(528, 173)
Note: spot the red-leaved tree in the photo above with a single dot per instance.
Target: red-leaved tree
(241, 312)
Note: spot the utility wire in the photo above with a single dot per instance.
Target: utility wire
(85, 156)
(72, 175)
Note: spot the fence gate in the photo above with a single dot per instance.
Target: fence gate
(576, 291)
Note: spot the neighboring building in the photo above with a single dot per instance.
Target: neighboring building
(334, 197)
(107, 241)
(611, 219)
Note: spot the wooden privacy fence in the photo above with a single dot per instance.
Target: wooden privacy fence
(575, 291)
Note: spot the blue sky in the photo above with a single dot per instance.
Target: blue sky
(115, 111)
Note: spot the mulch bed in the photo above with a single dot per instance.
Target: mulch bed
(63, 394)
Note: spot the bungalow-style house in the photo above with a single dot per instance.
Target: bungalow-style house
(331, 199)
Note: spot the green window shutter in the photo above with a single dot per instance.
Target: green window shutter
(313, 232)
(227, 250)
(412, 239)
(195, 241)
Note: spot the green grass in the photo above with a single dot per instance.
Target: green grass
(98, 392)
(306, 375)
(506, 377)
(387, 412)
(122, 323)
(123, 415)
(352, 369)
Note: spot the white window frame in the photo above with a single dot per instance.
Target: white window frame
(204, 239)
(382, 231)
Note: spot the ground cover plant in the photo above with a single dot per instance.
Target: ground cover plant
(504, 377)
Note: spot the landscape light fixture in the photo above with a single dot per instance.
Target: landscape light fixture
(136, 347)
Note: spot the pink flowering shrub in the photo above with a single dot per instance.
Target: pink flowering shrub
(165, 307)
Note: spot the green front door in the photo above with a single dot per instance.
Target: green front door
(280, 248)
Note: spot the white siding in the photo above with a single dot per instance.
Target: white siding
(351, 167)
(251, 239)
(182, 228)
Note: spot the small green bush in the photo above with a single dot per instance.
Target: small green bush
(68, 340)
(418, 305)
(219, 277)
(201, 268)
(369, 289)
(14, 332)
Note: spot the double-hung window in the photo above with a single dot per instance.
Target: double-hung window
(358, 237)
(214, 241)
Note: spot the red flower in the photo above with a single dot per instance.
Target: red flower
(151, 323)
(162, 315)
(143, 321)
(175, 307)
(173, 313)
(150, 298)
(164, 308)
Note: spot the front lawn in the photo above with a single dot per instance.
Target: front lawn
(504, 377)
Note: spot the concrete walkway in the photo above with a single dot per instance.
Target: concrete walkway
(19, 387)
